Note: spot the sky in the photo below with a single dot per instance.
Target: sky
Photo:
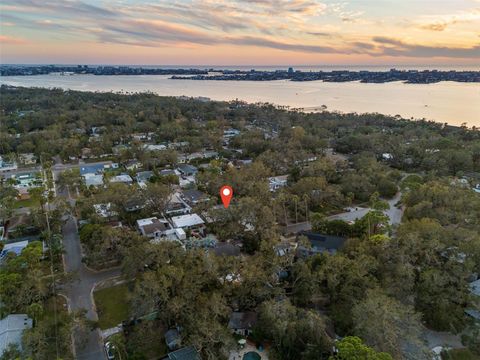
(240, 32)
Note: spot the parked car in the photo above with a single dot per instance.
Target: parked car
(109, 350)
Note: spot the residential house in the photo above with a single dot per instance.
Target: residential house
(133, 164)
(27, 180)
(177, 206)
(167, 172)
(93, 180)
(11, 330)
(186, 353)
(172, 339)
(475, 290)
(122, 178)
(153, 227)
(158, 147)
(27, 158)
(242, 323)
(320, 243)
(92, 169)
(104, 210)
(14, 248)
(190, 222)
(142, 177)
(143, 136)
(187, 170)
(193, 197)
(277, 182)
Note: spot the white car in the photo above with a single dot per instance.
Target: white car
(109, 350)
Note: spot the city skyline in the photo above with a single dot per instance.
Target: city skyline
(248, 32)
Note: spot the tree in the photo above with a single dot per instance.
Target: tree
(389, 326)
(294, 332)
(353, 348)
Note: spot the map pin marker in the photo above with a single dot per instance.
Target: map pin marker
(226, 194)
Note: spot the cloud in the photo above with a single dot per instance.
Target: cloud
(395, 47)
(442, 22)
(11, 40)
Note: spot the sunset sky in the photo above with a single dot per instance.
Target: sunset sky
(240, 32)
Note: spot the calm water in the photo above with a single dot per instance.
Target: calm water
(451, 102)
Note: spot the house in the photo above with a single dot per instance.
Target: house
(168, 172)
(94, 169)
(209, 154)
(7, 165)
(153, 227)
(14, 248)
(177, 206)
(86, 153)
(320, 243)
(134, 204)
(187, 170)
(143, 136)
(229, 133)
(133, 164)
(93, 180)
(193, 197)
(190, 221)
(186, 353)
(241, 323)
(27, 158)
(142, 177)
(172, 339)
(475, 290)
(104, 210)
(277, 182)
(122, 178)
(11, 330)
(27, 180)
(159, 147)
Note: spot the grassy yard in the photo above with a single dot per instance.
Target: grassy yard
(25, 203)
(112, 305)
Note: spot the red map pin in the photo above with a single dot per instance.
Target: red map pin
(226, 193)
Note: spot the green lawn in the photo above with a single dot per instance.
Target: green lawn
(112, 305)
(25, 203)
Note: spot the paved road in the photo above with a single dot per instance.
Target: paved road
(394, 214)
(79, 292)
(88, 345)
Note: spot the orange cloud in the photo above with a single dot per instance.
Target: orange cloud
(5, 39)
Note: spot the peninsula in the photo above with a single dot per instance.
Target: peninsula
(364, 76)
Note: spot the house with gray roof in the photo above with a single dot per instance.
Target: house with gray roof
(11, 330)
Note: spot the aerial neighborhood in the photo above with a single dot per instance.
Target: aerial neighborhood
(341, 228)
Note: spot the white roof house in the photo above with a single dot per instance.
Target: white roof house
(123, 178)
(277, 182)
(158, 147)
(187, 221)
(93, 180)
(11, 329)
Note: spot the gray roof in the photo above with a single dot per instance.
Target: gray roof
(194, 196)
(11, 329)
(186, 353)
(187, 168)
(172, 336)
(144, 175)
(242, 320)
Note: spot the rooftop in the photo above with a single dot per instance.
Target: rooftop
(187, 220)
(11, 329)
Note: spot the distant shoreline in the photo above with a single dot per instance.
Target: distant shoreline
(363, 76)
